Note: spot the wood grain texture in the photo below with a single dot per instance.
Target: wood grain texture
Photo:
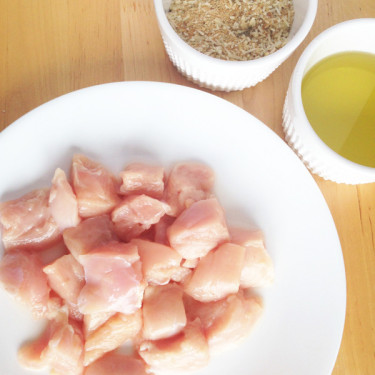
(49, 48)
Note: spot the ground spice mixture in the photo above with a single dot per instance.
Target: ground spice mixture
(233, 29)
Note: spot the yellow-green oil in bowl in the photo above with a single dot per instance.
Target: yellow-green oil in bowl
(338, 95)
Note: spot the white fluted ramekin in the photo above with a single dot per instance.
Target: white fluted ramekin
(223, 75)
(353, 35)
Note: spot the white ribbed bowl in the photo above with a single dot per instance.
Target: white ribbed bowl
(353, 35)
(223, 75)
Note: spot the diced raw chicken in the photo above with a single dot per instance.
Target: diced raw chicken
(113, 283)
(63, 202)
(116, 364)
(111, 335)
(96, 188)
(27, 222)
(135, 214)
(217, 274)
(60, 347)
(187, 351)
(93, 321)
(163, 312)
(29, 354)
(258, 270)
(160, 229)
(21, 273)
(67, 278)
(89, 234)
(226, 322)
(188, 183)
(64, 352)
(140, 178)
(160, 263)
(199, 229)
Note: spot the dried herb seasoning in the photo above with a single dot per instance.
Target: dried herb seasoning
(233, 29)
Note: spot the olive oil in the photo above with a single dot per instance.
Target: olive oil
(338, 95)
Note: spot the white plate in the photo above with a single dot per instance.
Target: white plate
(259, 179)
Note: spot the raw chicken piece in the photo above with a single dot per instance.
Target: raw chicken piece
(60, 347)
(63, 202)
(67, 278)
(187, 351)
(199, 229)
(160, 263)
(113, 282)
(135, 214)
(160, 229)
(93, 321)
(188, 183)
(163, 312)
(96, 188)
(111, 335)
(29, 354)
(217, 274)
(88, 235)
(116, 364)
(21, 273)
(226, 322)
(27, 222)
(64, 352)
(258, 270)
(139, 178)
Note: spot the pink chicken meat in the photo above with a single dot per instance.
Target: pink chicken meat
(217, 274)
(160, 263)
(226, 322)
(21, 274)
(186, 351)
(93, 321)
(163, 312)
(187, 183)
(64, 352)
(135, 214)
(114, 280)
(145, 260)
(95, 187)
(258, 270)
(60, 348)
(117, 364)
(111, 335)
(140, 178)
(27, 222)
(199, 229)
(89, 234)
(63, 202)
(66, 277)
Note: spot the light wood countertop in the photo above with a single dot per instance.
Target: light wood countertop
(52, 47)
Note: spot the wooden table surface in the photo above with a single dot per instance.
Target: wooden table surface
(51, 47)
